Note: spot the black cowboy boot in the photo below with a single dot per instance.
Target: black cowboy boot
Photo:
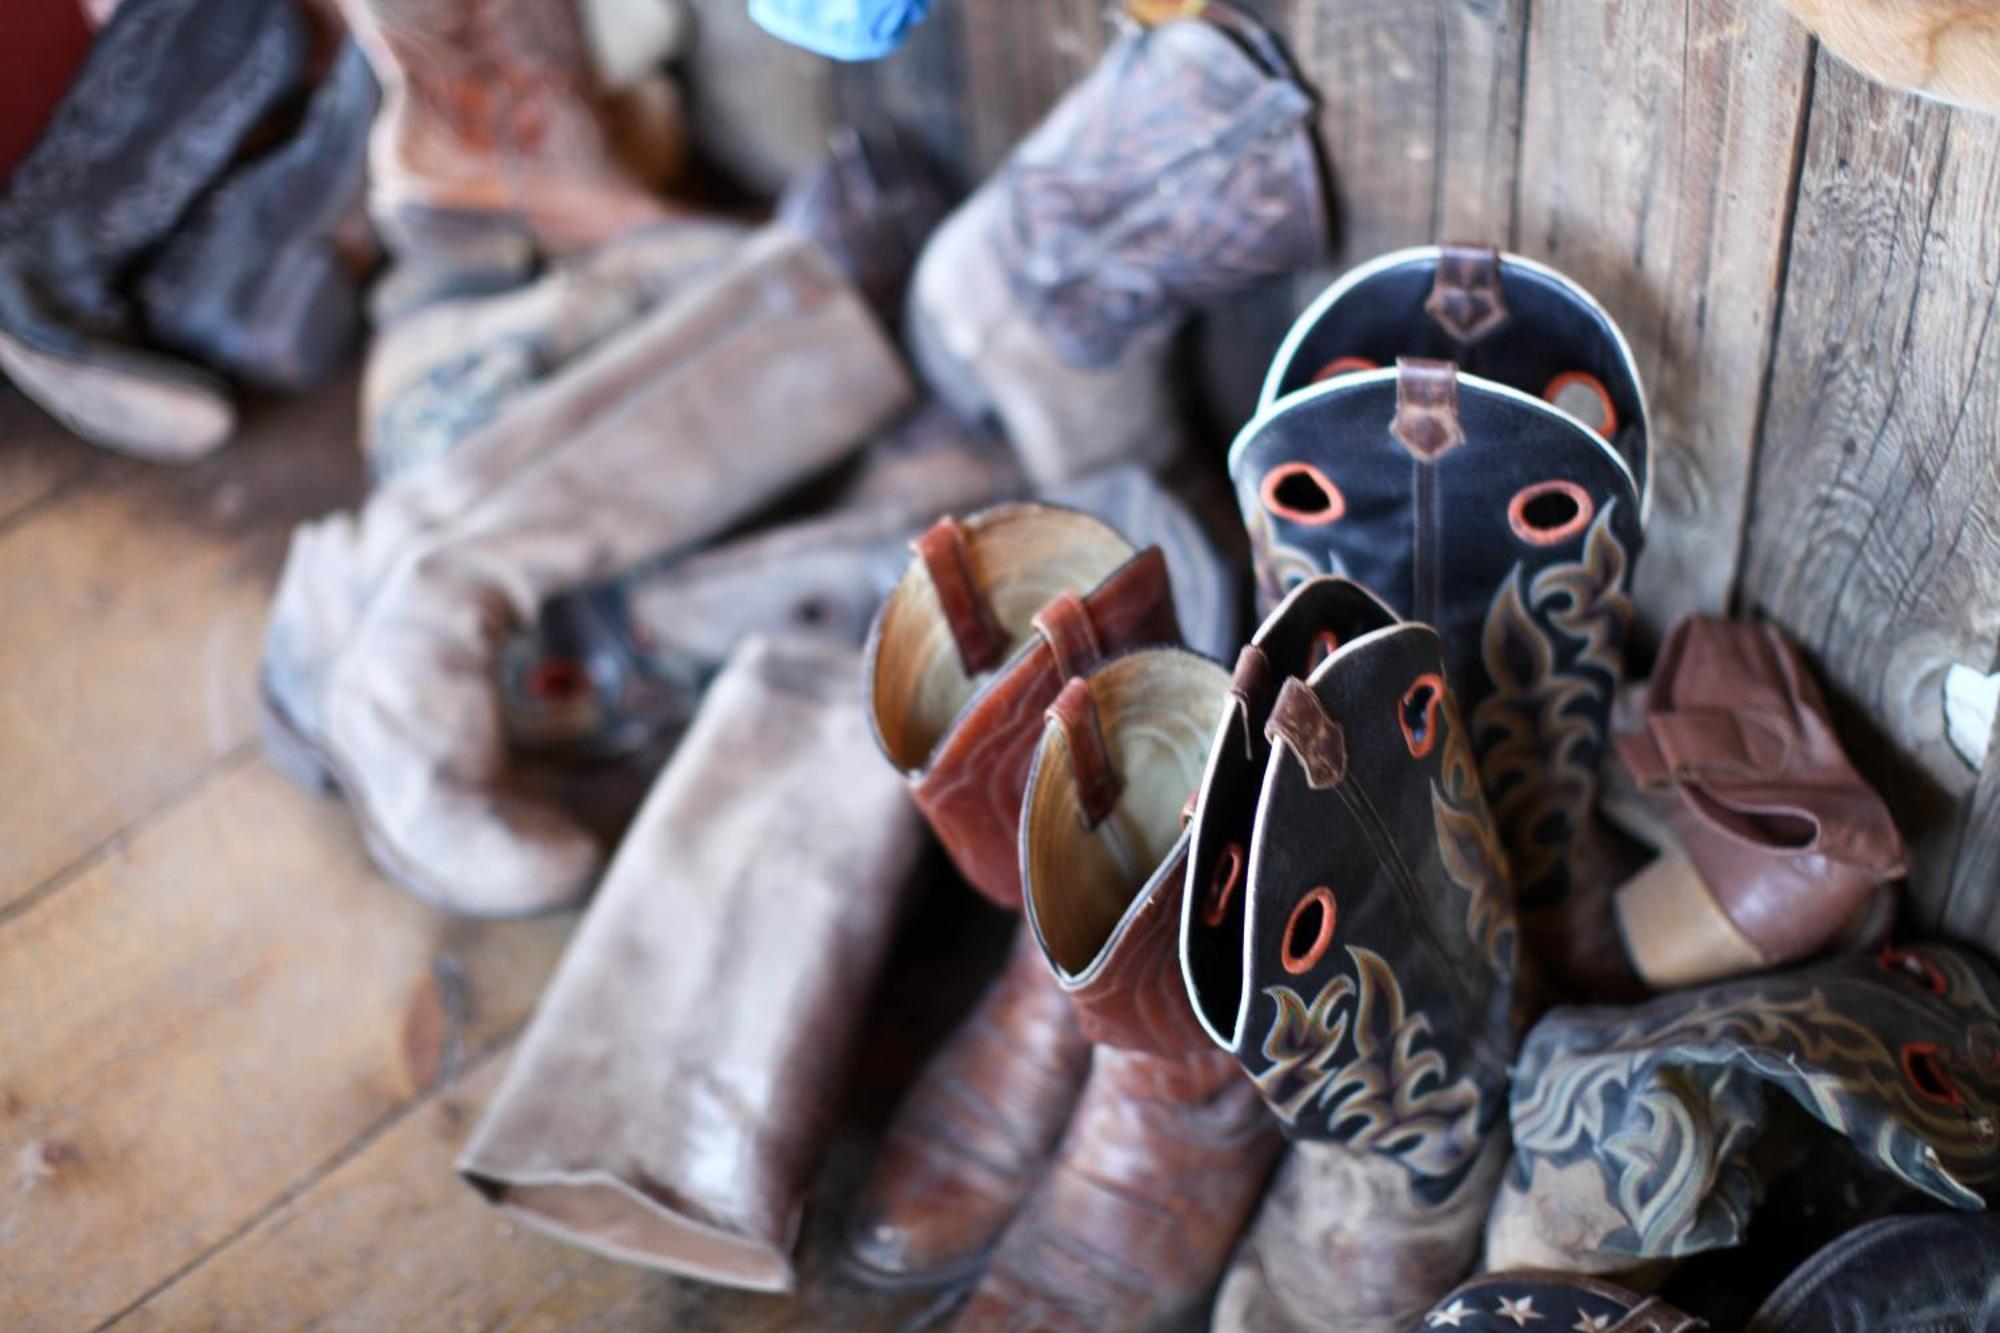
(253, 283)
(1494, 489)
(1349, 936)
(169, 92)
(1640, 1133)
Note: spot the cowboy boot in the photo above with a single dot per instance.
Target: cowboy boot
(871, 206)
(1894, 1275)
(1509, 1302)
(169, 91)
(975, 641)
(1170, 1145)
(1363, 975)
(1638, 1132)
(1180, 171)
(1505, 521)
(490, 146)
(672, 1113)
(403, 714)
(253, 282)
(609, 668)
(1771, 845)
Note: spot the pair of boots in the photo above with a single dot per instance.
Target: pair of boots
(130, 226)
(1076, 1136)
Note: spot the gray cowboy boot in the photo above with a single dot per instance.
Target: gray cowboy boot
(660, 439)
(1637, 1131)
(1181, 170)
(168, 93)
(252, 283)
(1348, 933)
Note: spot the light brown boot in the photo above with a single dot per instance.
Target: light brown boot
(666, 436)
(489, 145)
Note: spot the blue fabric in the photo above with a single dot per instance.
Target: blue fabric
(843, 29)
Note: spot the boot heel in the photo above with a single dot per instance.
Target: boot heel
(1675, 933)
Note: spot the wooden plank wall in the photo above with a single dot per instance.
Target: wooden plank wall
(1805, 262)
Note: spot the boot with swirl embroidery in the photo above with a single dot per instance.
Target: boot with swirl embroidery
(1180, 171)
(1348, 935)
(1464, 433)
(1170, 1145)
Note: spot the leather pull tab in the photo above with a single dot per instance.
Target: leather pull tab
(1465, 298)
(1299, 722)
(1097, 782)
(974, 628)
(1064, 621)
(1427, 421)
(1250, 690)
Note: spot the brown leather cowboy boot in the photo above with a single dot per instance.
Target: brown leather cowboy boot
(1170, 1145)
(658, 440)
(1770, 843)
(1349, 935)
(489, 145)
(997, 611)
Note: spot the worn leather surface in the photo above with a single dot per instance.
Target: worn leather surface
(1510, 1301)
(411, 725)
(167, 94)
(669, 1111)
(1737, 755)
(975, 1132)
(1938, 1274)
(252, 282)
(1180, 170)
(1341, 1240)
(969, 781)
(1532, 606)
(1170, 1145)
(490, 113)
(1636, 1129)
(1348, 934)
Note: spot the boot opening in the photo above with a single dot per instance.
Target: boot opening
(1309, 932)
(1302, 493)
(1549, 512)
(1418, 713)
(1022, 555)
(1584, 397)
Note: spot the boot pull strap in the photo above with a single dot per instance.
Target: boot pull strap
(1299, 722)
(974, 628)
(1065, 624)
(1465, 298)
(1427, 421)
(1097, 782)
(1250, 691)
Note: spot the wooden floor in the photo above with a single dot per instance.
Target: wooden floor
(235, 1063)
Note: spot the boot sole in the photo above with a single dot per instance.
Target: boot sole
(138, 405)
(308, 764)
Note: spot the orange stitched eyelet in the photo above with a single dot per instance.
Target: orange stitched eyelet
(1417, 713)
(1548, 512)
(1324, 645)
(1302, 493)
(1572, 381)
(558, 678)
(1919, 970)
(1320, 903)
(1222, 883)
(1344, 365)
(1925, 1069)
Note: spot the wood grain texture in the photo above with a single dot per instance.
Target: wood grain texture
(1420, 108)
(208, 1013)
(136, 598)
(1875, 536)
(1658, 148)
(1019, 58)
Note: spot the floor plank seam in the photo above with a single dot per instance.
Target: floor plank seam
(222, 765)
(355, 1147)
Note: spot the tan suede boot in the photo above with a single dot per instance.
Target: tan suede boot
(663, 437)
